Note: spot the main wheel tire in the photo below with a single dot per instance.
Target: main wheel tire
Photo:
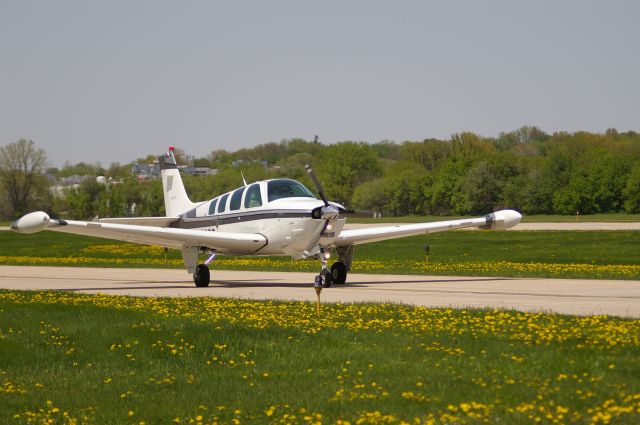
(201, 276)
(339, 273)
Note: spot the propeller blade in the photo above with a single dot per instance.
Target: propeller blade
(317, 184)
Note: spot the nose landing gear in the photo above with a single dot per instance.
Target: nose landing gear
(338, 273)
(324, 279)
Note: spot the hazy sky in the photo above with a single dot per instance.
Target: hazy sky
(116, 80)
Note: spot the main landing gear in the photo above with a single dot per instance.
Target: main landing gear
(201, 276)
(339, 273)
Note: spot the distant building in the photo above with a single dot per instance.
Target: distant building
(239, 162)
(73, 180)
(199, 171)
(70, 182)
(151, 171)
(146, 171)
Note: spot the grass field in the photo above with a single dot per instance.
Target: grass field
(570, 254)
(70, 358)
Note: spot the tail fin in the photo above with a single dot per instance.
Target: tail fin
(176, 200)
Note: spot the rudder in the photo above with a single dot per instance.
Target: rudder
(176, 200)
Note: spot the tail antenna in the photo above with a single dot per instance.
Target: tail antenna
(243, 179)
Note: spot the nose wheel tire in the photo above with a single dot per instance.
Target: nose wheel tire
(201, 276)
(327, 281)
(339, 273)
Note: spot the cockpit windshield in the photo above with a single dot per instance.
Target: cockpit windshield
(285, 188)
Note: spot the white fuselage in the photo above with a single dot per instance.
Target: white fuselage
(286, 223)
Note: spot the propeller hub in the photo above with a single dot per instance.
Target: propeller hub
(330, 213)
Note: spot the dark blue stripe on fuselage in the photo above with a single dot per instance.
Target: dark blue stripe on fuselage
(219, 220)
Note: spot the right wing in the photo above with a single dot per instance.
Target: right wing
(222, 242)
(141, 221)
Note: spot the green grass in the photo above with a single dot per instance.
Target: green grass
(116, 360)
(609, 217)
(601, 247)
(568, 254)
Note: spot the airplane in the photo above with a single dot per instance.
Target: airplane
(271, 217)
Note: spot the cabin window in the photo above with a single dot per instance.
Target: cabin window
(284, 188)
(253, 198)
(223, 203)
(212, 207)
(235, 199)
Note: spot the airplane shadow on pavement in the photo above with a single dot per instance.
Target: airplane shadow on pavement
(264, 283)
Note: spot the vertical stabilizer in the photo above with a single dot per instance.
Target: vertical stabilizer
(176, 200)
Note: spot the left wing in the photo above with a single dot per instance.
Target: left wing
(223, 242)
(499, 220)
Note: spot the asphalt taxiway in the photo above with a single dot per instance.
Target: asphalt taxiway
(566, 296)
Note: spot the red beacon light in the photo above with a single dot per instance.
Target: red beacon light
(171, 148)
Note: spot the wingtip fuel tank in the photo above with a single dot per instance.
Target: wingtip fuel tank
(31, 223)
(502, 220)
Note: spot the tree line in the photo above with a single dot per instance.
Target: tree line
(526, 169)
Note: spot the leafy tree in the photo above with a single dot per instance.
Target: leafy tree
(387, 149)
(344, 166)
(370, 196)
(201, 162)
(201, 188)
(220, 158)
(577, 196)
(117, 171)
(135, 197)
(515, 140)
(429, 153)
(404, 189)
(469, 146)
(515, 193)
(525, 169)
(293, 165)
(79, 169)
(609, 176)
(295, 146)
(481, 189)
(446, 190)
(21, 167)
(87, 200)
(553, 174)
(631, 191)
